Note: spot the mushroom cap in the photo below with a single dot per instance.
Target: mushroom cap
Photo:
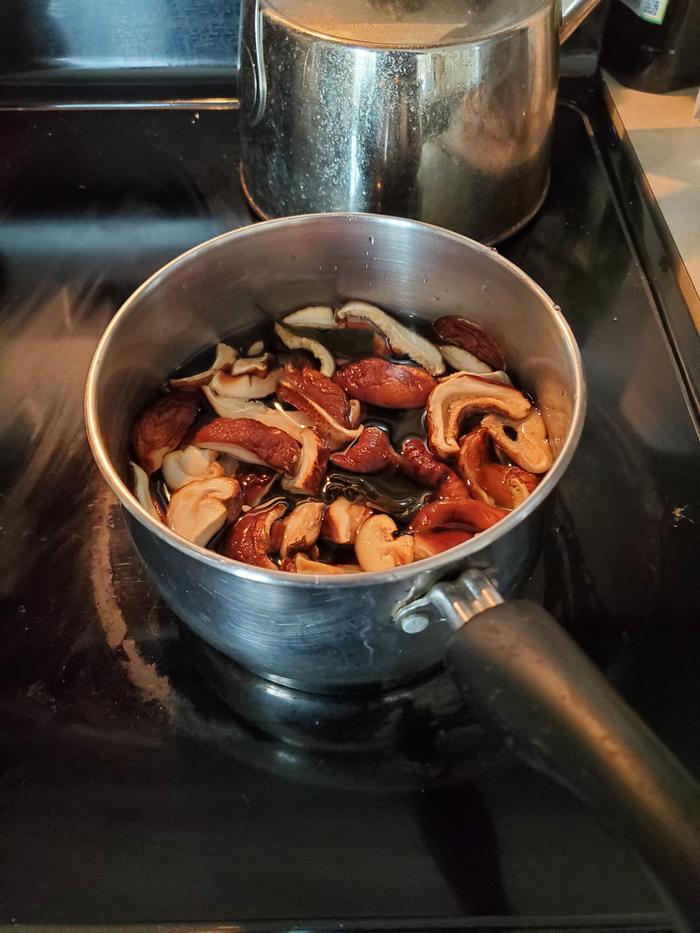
(403, 342)
(224, 358)
(161, 427)
(245, 386)
(463, 394)
(530, 447)
(343, 520)
(297, 342)
(251, 539)
(198, 510)
(376, 548)
(252, 442)
(389, 385)
(292, 422)
(318, 317)
(302, 528)
(311, 466)
(189, 463)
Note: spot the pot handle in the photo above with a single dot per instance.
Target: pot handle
(525, 673)
(259, 78)
(573, 13)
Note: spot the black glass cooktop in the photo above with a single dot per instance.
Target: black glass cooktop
(146, 780)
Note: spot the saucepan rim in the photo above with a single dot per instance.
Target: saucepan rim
(430, 565)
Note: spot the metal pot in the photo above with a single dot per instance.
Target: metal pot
(439, 111)
(329, 633)
(300, 632)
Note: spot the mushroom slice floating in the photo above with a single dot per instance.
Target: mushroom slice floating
(463, 394)
(343, 519)
(523, 440)
(492, 482)
(259, 365)
(224, 359)
(256, 349)
(183, 466)
(253, 537)
(430, 543)
(377, 548)
(422, 467)
(296, 342)
(303, 564)
(463, 361)
(311, 465)
(251, 442)
(371, 453)
(255, 482)
(293, 422)
(322, 401)
(162, 426)
(476, 516)
(245, 386)
(318, 317)
(200, 509)
(466, 335)
(388, 385)
(402, 341)
(142, 491)
(302, 528)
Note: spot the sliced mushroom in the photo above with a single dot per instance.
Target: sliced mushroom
(451, 489)
(200, 509)
(311, 466)
(303, 564)
(293, 422)
(376, 548)
(302, 528)
(296, 342)
(224, 359)
(183, 466)
(162, 426)
(251, 442)
(371, 453)
(388, 385)
(421, 465)
(459, 332)
(256, 482)
(245, 386)
(522, 439)
(343, 520)
(319, 317)
(252, 365)
(253, 537)
(403, 342)
(476, 516)
(142, 491)
(322, 401)
(463, 361)
(430, 543)
(489, 481)
(256, 349)
(463, 394)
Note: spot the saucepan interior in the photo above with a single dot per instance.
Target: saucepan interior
(241, 279)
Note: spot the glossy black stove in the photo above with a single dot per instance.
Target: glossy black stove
(146, 780)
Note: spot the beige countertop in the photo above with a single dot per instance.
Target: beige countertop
(666, 139)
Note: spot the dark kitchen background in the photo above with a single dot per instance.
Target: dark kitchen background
(93, 50)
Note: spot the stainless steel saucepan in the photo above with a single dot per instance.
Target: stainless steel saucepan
(439, 110)
(333, 634)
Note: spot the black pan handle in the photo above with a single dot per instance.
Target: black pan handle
(521, 669)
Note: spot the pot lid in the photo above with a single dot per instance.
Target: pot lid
(403, 23)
